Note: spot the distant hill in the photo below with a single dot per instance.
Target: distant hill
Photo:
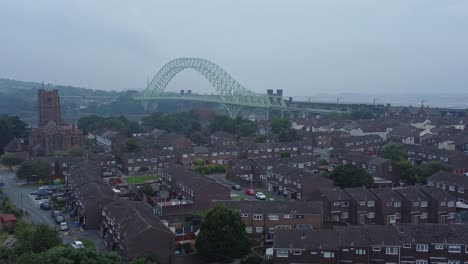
(20, 98)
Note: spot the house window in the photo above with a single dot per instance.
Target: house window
(461, 190)
(244, 215)
(439, 247)
(451, 188)
(406, 245)
(423, 216)
(282, 253)
(451, 204)
(344, 204)
(376, 249)
(259, 229)
(421, 261)
(287, 216)
(336, 203)
(362, 203)
(416, 204)
(371, 215)
(131, 160)
(153, 159)
(370, 203)
(328, 254)
(422, 248)
(273, 217)
(442, 204)
(397, 204)
(258, 217)
(424, 204)
(297, 252)
(248, 229)
(344, 215)
(454, 249)
(453, 262)
(360, 252)
(391, 251)
(389, 204)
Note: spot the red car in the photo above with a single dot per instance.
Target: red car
(249, 192)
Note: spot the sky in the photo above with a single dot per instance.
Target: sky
(305, 47)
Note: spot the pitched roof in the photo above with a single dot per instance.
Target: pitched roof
(272, 207)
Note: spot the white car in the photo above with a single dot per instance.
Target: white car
(260, 196)
(77, 244)
(63, 226)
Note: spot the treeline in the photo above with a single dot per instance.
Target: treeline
(10, 127)
(121, 124)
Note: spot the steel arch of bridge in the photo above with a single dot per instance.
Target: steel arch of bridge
(232, 93)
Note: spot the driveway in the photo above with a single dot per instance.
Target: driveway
(19, 194)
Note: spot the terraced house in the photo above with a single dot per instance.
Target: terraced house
(262, 219)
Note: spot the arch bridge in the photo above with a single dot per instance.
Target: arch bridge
(229, 92)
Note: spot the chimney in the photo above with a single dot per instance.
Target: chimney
(182, 92)
(270, 91)
(279, 92)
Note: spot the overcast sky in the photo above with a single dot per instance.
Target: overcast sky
(305, 47)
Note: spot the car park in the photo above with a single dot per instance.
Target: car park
(55, 213)
(236, 187)
(250, 192)
(260, 196)
(77, 244)
(43, 193)
(45, 206)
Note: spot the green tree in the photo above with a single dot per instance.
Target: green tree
(407, 171)
(132, 146)
(394, 151)
(10, 127)
(222, 235)
(260, 139)
(39, 168)
(10, 160)
(247, 129)
(279, 124)
(347, 176)
(68, 255)
(36, 239)
(426, 170)
(77, 152)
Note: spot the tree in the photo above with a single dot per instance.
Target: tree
(39, 168)
(10, 160)
(10, 127)
(279, 124)
(222, 235)
(247, 129)
(131, 146)
(394, 151)
(146, 189)
(61, 254)
(407, 171)
(348, 176)
(428, 169)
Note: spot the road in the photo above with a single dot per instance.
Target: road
(18, 194)
(221, 178)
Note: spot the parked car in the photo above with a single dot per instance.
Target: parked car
(250, 192)
(44, 187)
(236, 187)
(63, 226)
(59, 219)
(42, 193)
(77, 244)
(260, 196)
(45, 206)
(55, 213)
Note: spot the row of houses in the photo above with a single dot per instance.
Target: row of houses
(157, 159)
(360, 206)
(128, 227)
(400, 243)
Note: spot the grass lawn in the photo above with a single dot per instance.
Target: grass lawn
(140, 179)
(235, 197)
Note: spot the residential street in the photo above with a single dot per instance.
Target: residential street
(19, 195)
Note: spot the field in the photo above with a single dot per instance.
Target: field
(140, 179)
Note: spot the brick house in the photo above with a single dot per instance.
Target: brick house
(376, 166)
(195, 190)
(221, 138)
(388, 210)
(132, 229)
(401, 243)
(293, 183)
(133, 162)
(87, 194)
(452, 183)
(362, 206)
(441, 205)
(405, 134)
(456, 160)
(336, 204)
(368, 144)
(262, 219)
(415, 205)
